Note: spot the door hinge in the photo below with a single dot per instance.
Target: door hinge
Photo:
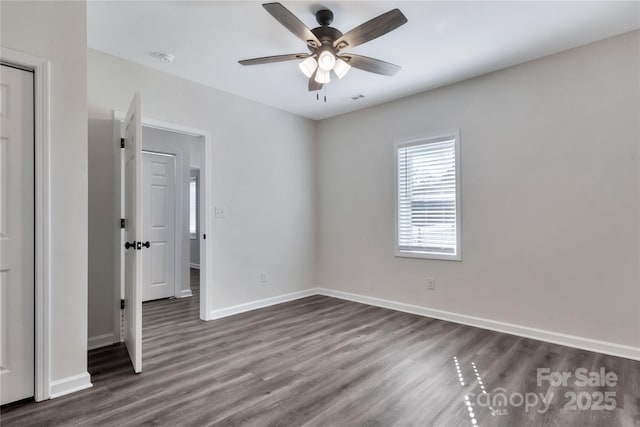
(121, 142)
(122, 222)
(121, 304)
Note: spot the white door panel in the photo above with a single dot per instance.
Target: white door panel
(133, 234)
(16, 235)
(158, 222)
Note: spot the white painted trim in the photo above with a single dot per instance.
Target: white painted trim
(262, 303)
(100, 341)
(42, 127)
(589, 344)
(205, 223)
(185, 293)
(206, 188)
(194, 265)
(162, 125)
(573, 341)
(419, 140)
(69, 385)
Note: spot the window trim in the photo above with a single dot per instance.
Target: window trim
(421, 140)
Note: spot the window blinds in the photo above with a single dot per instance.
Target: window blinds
(427, 197)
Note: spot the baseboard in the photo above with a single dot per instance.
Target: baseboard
(254, 305)
(604, 347)
(583, 343)
(193, 265)
(185, 293)
(69, 385)
(100, 341)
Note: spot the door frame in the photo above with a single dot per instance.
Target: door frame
(178, 234)
(42, 244)
(204, 222)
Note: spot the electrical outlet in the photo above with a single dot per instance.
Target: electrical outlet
(219, 212)
(263, 277)
(431, 284)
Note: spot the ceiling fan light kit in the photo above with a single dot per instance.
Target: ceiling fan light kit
(341, 68)
(326, 60)
(322, 76)
(308, 66)
(325, 42)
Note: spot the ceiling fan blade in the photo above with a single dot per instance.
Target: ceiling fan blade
(371, 29)
(292, 23)
(277, 58)
(371, 65)
(313, 84)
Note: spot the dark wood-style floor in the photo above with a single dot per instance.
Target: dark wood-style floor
(322, 361)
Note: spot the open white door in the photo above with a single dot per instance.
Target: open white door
(133, 234)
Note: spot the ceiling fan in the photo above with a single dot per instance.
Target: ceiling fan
(324, 43)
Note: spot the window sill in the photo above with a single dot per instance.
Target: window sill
(428, 255)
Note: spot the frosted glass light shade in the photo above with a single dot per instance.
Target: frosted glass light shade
(323, 76)
(341, 68)
(326, 61)
(308, 66)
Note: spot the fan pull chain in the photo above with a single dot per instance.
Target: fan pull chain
(323, 96)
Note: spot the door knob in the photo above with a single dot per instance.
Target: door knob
(128, 245)
(146, 244)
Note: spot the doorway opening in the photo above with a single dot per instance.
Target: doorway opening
(167, 153)
(168, 157)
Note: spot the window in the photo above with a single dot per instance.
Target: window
(428, 197)
(193, 207)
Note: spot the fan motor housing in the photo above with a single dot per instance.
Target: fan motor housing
(327, 34)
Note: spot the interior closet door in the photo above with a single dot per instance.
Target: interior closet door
(159, 225)
(16, 235)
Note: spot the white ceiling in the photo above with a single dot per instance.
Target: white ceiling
(442, 43)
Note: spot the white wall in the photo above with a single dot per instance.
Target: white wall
(103, 202)
(196, 161)
(57, 31)
(550, 186)
(263, 175)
